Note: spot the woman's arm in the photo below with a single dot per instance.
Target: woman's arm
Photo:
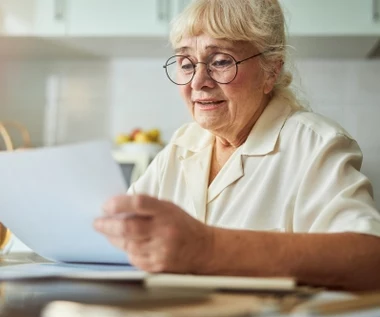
(338, 260)
(158, 236)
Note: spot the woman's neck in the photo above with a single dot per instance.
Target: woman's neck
(233, 138)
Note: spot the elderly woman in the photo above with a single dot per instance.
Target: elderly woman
(257, 185)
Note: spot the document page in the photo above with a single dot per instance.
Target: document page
(49, 198)
(73, 271)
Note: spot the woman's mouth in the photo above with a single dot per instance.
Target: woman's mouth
(208, 105)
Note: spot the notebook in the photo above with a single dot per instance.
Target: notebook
(95, 272)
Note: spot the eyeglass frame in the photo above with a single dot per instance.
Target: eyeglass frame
(207, 69)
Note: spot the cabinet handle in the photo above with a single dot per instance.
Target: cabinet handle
(161, 10)
(59, 10)
(169, 7)
(164, 7)
(376, 10)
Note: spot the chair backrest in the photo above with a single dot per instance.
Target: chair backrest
(6, 127)
(5, 238)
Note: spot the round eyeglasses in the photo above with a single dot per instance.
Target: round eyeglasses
(221, 67)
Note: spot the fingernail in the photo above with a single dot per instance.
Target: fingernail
(105, 207)
(109, 207)
(98, 224)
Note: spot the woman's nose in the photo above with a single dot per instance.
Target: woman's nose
(201, 77)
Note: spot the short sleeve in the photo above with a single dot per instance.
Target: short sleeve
(334, 196)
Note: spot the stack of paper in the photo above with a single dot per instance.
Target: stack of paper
(125, 272)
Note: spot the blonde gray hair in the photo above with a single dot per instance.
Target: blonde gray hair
(259, 22)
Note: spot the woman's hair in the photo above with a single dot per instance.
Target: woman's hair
(259, 22)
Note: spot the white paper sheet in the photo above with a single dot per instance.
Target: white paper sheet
(72, 271)
(49, 198)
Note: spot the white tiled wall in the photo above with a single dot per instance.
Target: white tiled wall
(77, 92)
(100, 98)
(143, 97)
(349, 92)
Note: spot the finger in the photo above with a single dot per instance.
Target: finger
(138, 253)
(139, 249)
(145, 254)
(136, 228)
(118, 204)
(143, 263)
(151, 255)
(147, 263)
(143, 247)
(140, 204)
(119, 242)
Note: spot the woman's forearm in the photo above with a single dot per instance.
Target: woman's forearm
(340, 260)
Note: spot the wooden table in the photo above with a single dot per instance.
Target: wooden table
(30, 297)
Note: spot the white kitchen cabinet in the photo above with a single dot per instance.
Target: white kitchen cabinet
(145, 18)
(151, 17)
(32, 17)
(120, 28)
(51, 17)
(332, 17)
(111, 18)
(17, 17)
(119, 17)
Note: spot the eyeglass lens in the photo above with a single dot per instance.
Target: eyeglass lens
(221, 67)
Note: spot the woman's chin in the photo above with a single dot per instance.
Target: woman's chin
(208, 123)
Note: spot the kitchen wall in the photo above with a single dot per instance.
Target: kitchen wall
(58, 101)
(349, 92)
(66, 101)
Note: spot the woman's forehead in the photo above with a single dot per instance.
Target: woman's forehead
(205, 43)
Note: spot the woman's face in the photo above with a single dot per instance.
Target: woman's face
(223, 108)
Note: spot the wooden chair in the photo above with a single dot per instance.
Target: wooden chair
(5, 128)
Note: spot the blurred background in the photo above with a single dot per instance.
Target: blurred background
(77, 70)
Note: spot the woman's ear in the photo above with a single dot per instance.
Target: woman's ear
(272, 76)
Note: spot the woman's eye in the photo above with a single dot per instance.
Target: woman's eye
(221, 63)
(187, 67)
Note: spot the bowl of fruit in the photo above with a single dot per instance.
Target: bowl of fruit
(140, 141)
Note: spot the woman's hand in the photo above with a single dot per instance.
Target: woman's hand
(157, 235)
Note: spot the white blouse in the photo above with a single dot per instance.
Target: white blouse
(296, 172)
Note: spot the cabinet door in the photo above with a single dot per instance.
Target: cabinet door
(118, 17)
(178, 6)
(331, 17)
(17, 17)
(51, 17)
(32, 17)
